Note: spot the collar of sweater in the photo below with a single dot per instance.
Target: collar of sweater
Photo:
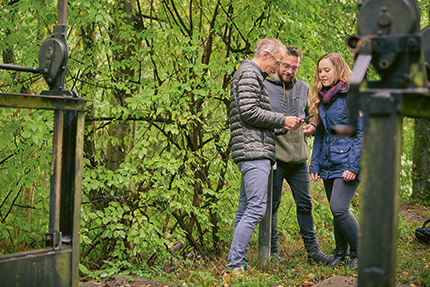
(273, 79)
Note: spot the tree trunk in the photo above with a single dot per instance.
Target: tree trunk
(123, 130)
(88, 40)
(421, 166)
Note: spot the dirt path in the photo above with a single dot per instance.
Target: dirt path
(414, 213)
(127, 281)
(341, 281)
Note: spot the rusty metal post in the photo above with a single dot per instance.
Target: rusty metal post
(78, 160)
(53, 238)
(71, 179)
(265, 226)
(62, 12)
(380, 191)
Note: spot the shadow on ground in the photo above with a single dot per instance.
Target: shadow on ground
(127, 281)
(342, 281)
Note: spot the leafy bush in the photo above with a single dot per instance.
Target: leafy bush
(25, 168)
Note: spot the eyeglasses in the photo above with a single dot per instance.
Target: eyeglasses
(293, 68)
(277, 63)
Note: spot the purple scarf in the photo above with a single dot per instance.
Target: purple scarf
(327, 94)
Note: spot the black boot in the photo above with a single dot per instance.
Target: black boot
(340, 256)
(353, 260)
(319, 257)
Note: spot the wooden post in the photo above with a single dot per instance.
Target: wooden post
(380, 194)
(265, 226)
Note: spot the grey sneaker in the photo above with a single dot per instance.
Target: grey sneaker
(230, 268)
(319, 257)
(237, 271)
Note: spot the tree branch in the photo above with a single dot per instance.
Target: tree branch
(12, 205)
(188, 235)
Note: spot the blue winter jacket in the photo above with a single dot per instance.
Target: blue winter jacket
(331, 155)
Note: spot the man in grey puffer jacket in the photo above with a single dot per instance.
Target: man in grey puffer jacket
(252, 125)
(289, 96)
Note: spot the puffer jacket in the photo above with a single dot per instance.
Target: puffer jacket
(252, 122)
(331, 155)
(290, 99)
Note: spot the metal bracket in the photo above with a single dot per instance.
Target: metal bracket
(53, 240)
(53, 57)
(382, 103)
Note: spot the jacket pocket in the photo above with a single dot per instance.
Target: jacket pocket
(254, 136)
(339, 154)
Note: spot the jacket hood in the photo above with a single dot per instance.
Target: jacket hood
(274, 80)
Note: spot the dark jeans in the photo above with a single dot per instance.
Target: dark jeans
(297, 177)
(345, 226)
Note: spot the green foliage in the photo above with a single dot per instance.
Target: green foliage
(407, 158)
(25, 142)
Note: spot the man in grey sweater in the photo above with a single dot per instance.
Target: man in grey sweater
(252, 125)
(289, 96)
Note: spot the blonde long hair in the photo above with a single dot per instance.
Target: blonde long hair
(342, 72)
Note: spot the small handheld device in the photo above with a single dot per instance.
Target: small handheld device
(306, 118)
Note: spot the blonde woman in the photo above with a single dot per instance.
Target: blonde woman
(336, 160)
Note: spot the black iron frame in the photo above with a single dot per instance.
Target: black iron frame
(58, 263)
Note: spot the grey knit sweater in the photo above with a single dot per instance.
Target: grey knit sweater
(290, 99)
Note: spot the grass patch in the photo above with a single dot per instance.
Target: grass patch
(413, 258)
